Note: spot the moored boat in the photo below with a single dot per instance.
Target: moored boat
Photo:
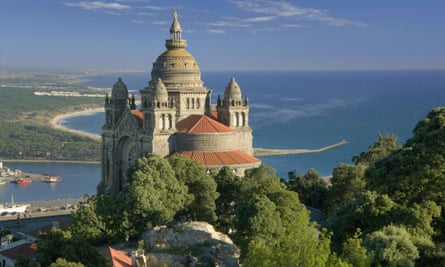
(23, 181)
(13, 208)
(50, 179)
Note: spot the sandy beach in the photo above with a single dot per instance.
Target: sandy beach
(55, 122)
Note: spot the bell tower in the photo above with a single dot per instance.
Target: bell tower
(233, 111)
(159, 118)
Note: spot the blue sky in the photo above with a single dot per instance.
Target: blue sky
(126, 35)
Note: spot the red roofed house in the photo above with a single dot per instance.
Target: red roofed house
(117, 258)
(8, 256)
(175, 117)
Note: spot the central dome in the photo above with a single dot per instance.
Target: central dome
(176, 66)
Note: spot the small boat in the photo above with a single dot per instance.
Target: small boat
(23, 181)
(50, 179)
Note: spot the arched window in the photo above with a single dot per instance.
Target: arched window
(243, 119)
(193, 103)
(188, 103)
(198, 104)
(163, 122)
(170, 121)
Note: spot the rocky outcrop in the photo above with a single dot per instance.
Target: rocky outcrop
(189, 244)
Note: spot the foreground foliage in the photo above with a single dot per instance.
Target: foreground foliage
(58, 248)
(386, 210)
(394, 195)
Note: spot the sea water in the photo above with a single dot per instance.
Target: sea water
(313, 109)
(295, 109)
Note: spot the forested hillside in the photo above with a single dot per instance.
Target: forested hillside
(25, 131)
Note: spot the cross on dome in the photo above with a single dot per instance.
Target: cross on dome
(175, 29)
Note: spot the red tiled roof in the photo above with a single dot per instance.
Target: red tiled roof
(117, 258)
(234, 157)
(27, 249)
(201, 124)
(47, 228)
(139, 116)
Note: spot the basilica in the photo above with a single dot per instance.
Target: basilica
(176, 117)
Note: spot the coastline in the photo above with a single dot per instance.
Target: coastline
(55, 122)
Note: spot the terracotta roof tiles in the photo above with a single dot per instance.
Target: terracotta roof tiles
(117, 258)
(26, 249)
(201, 124)
(234, 157)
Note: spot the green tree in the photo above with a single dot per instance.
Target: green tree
(100, 220)
(25, 261)
(58, 244)
(257, 219)
(270, 220)
(153, 195)
(385, 145)
(393, 246)
(417, 171)
(302, 246)
(347, 183)
(354, 253)
(311, 188)
(372, 211)
(228, 187)
(200, 185)
(369, 212)
(60, 262)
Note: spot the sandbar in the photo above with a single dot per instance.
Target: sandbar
(55, 122)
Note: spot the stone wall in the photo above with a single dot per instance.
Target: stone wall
(244, 140)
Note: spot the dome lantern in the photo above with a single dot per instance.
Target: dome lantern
(175, 40)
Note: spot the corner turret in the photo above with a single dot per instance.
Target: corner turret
(232, 95)
(116, 105)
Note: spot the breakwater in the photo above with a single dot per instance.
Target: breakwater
(274, 152)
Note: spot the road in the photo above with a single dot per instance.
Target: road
(37, 220)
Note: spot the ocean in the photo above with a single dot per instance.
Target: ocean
(313, 109)
(294, 109)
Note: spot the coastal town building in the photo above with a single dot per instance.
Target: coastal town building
(25, 244)
(176, 117)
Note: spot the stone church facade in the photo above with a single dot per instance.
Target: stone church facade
(176, 117)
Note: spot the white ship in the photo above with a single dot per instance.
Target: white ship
(13, 208)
